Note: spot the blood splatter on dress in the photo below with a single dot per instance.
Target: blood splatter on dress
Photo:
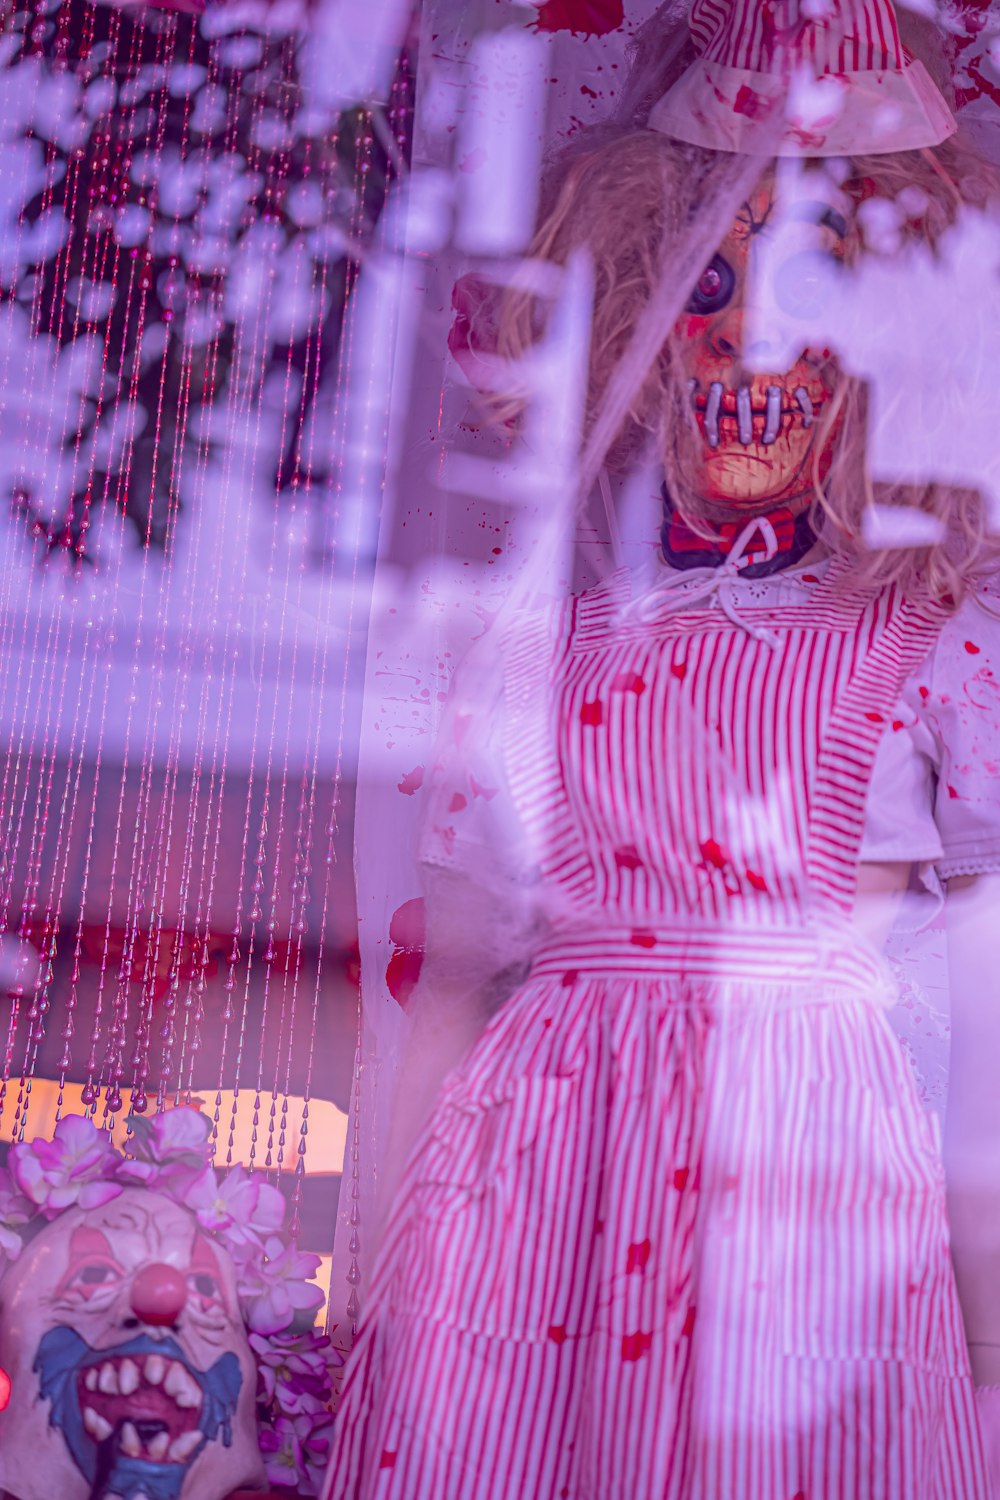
(676, 1227)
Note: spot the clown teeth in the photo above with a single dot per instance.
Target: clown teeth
(712, 406)
(90, 1379)
(744, 414)
(95, 1424)
(772, 422)
(179, 1384)
(156, 1368)
(158, 1446)
(107, 1380)
(131, 1444)
(182, 1448)
(128, 1377)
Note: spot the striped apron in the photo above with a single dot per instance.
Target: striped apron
(676, 1228)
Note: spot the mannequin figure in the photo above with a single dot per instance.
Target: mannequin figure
(675, 1224)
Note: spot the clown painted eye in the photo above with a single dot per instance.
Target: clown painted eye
(714, 288)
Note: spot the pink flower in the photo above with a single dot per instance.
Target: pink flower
(315, 1433)
(75, 1168)
(295, 1371)
(276, 1286)
(15, 1211)
(169, 1151)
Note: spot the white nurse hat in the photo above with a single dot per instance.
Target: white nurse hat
(802, 78)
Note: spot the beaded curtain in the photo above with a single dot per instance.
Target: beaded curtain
(187, 202)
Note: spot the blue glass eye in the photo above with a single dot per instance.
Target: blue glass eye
(714, 288)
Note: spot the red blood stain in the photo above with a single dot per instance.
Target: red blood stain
(638, 1256)
(748, 102)
(898, 724)
(874, 718)
(809, 578)
(925, 693)
(486, 792)
(598, 1226)
(570, 977)
(5, 1389)
(642, 940)
(408, 934)
(592, 17)
(681, 1178)
(629, 682)
(714, 854)
(952, 793)
(497, 551)
(627, 858)
(592, 713)
(679, 670)
(388, 1460)
(757, 882)
(412, 781)
(688, 1327)
(635, 1345)
(557, 1335)
(972, 648)
(458, 803)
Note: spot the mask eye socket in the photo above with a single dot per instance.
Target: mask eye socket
(714, 288)
(804, 282)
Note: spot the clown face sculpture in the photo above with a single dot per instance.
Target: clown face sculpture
(130, 1369)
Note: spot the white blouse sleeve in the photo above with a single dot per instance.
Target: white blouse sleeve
(961, 707)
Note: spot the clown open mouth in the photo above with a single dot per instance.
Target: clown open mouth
(151, 1403)
(139, 1413)
(734, 414)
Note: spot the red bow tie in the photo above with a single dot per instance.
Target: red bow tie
(756, 549)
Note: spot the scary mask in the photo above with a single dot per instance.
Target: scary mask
(130, 1368)
(756, 429)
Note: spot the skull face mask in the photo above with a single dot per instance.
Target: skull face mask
(757, 431)
(131, 1372)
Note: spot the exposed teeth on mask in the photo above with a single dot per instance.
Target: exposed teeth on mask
(156, 1368)
(158, 1447)
(744, 414)
(182, 1448)
(805, 405)
(712, 404)
(131, 1445)
(128, 1377)
(107, 1380)
(180, 1385)
(95, 1425)
(772, 421)
(90, 1379)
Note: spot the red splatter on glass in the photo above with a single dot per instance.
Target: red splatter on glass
(688, 1327)
(458, 803)
(408, 934)
(713, 854)
(629, 682)
(388, 1459)
(874, 718)
(592, 713)
(756, 882)
(591, 17)
(557, 1335)
(627, 858)
(411, 782)
(679, 670)
(972, 648)
(642, 940)
(681, 1178)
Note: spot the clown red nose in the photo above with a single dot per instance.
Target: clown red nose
(158, 1295)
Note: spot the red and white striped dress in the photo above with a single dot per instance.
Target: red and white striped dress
(676, 1229)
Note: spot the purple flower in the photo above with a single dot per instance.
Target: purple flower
(295, 1371)
(276, 1286)
(315, 1435)
(295, 1451)
(75, 1168)
(15, 1211)
(281, 1451)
